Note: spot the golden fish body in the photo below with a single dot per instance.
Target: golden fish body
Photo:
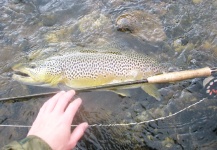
(86, 68)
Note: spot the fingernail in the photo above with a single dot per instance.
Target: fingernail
(85, 124)
(73, 91)
(79, 99)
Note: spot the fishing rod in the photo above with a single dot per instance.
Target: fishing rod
(161, 78)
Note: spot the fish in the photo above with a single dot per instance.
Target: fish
(83, 68)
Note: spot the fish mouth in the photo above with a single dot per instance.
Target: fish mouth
(21, 71)
(23, 77)
(21, 74)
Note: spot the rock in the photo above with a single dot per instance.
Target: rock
(142, 24)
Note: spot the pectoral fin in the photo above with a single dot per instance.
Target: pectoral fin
(122, 92)
(64, 87)
(152, 90)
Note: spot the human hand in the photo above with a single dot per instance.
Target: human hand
(53, 123)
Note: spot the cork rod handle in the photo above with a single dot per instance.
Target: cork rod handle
(181, 75)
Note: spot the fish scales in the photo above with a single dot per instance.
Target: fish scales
(85, 69)
(91, 65)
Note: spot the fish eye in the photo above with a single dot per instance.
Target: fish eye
(32, 66)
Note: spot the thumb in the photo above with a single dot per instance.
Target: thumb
(77, 134)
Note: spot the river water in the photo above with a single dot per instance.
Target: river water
(181, 33)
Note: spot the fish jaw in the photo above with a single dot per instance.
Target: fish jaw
(25, 80)
(25, 74)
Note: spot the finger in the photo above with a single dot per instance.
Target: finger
(51, 103)
(63, 101)
(71, 110)
(47, 106)
(77, 134)
(51, 99)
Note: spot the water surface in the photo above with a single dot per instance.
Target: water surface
(188, 41)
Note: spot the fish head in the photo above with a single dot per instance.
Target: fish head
(36, 73)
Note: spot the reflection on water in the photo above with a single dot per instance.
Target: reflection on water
(189, 41)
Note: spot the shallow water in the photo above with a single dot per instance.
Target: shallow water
(188, 42)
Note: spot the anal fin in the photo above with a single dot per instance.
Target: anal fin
(152, 90)
(122, 92)
(64, 87)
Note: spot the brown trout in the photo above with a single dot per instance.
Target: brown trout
(86, 68)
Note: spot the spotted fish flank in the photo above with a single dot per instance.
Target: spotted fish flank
(87, 68)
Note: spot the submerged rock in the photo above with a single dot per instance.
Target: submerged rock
(143, 24)
(197, 1)
(89, 27)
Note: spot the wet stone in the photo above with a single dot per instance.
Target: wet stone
(48, 19)
(142, 24)
(197, 1)
(17, 1)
